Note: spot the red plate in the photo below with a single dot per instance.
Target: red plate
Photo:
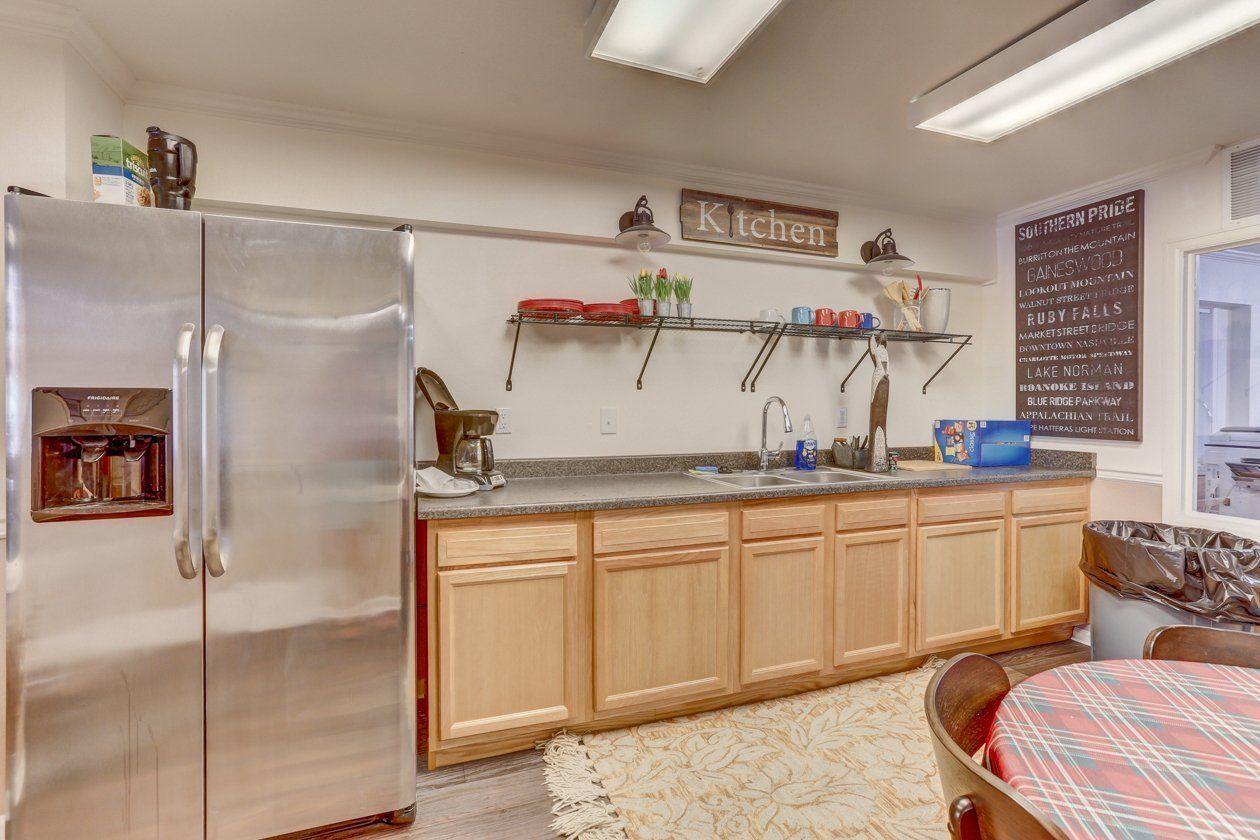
(608, 311)
(633, 303)
(549, 305)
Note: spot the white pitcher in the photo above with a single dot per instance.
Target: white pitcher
(934, 311)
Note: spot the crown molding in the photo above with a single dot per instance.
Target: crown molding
(69, 25)
(1102, 189)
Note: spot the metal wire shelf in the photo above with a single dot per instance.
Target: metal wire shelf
(773, 331)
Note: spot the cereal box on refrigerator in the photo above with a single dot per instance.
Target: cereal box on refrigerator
(120, 172)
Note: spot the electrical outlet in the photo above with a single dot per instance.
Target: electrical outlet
(504, 426)
(842, 417)
(608, 421)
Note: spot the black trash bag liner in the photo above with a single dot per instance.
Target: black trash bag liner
(1214, 574)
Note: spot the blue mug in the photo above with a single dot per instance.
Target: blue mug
(869, 321)
(802, 315)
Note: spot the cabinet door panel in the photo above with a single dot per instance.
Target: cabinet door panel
(781, 609)
(507, 647)
(661, 623)
(871, 595)
(960, 584)
(1047, 584)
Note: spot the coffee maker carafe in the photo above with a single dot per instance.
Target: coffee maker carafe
(463, 437)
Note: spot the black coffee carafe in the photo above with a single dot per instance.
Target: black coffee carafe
(172, 169)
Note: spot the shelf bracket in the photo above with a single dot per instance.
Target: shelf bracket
(743, 383)
(957, 350)
(770, 352)
(512, 364)
(638, 383)
(862, 358)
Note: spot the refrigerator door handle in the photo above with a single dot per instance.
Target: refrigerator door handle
(216, 564)
(179, 440)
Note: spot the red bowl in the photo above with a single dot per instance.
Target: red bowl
(608, 311)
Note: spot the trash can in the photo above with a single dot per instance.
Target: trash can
(1146, 574)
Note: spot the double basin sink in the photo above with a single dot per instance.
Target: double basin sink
(789, 477)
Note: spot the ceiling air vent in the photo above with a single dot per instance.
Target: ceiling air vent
(1242, 188)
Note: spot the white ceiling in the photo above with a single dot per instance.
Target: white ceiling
(818, 97)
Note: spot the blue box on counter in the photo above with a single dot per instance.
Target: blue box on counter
(983, 443)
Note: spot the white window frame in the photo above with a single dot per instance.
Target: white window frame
(1179, 393)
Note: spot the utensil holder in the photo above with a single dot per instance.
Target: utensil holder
(849, 458)
(908, 318)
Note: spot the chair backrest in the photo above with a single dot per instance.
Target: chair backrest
(960, 703)
(1217, 645)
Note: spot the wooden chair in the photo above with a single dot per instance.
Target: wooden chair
(1216, 645)
(960, 703)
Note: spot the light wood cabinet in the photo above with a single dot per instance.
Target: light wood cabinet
(871, 596)
(960, 574)
(1047, 586)
(617, 531)
(769, 521)
(873, 510)
(508, 648)
(959, 505)
(782, 619)
(661, 627)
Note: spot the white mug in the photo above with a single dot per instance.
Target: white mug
(771, 315)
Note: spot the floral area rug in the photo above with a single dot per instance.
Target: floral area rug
(854, 760)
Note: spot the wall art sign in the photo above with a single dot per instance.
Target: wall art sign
(1078, 321)
(751, 222)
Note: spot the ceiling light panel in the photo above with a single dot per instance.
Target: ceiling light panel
(690, 39)
(1007, 91)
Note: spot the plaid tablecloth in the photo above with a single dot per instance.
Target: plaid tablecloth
(1135, 749)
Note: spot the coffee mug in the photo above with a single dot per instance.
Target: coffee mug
(802, 315)
(824, 317)
(771, 315)
(870, 321)
(850, 318)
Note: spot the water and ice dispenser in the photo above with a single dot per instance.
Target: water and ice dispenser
(100, 453)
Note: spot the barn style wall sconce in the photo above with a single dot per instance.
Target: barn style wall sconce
(638, 228)
(881, 252)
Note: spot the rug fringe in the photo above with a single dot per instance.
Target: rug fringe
(932, 663)
(582, 808)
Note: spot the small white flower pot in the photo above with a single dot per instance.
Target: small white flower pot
(647, 307)
(662, 308)
(684, 310)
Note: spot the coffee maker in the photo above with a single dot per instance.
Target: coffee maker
(463, 437)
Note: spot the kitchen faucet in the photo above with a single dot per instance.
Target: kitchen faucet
(764, 455)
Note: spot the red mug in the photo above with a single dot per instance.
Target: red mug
(825, 317)
(850, 318)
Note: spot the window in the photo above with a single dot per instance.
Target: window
(1227, 383)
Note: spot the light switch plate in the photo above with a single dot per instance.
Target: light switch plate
(608, 421)
(842, 417)
(504, 426)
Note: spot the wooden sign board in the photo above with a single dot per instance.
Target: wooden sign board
(731, 220)
(1078, 321)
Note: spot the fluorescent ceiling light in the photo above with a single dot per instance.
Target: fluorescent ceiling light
(1082, 53)
(690, 39)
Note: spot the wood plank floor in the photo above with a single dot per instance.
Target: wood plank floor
(504, 797)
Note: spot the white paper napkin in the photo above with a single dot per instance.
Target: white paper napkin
(431, 479)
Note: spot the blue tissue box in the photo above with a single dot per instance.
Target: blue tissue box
(983, 443)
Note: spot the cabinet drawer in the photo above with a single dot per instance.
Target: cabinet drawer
(782, 521)
(952, 507)
(507, 543)
(1049, 499)
(633, 530)
(872, 512)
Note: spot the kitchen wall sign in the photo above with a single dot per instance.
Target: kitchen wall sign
(751, 222)
(1078, 321)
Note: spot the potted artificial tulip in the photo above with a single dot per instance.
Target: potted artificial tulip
(682, 294)
(642, 287)
(664, 288)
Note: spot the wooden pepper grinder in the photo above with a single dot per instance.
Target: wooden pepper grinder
(172, 169)
(878, 443)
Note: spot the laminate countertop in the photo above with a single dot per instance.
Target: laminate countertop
(564, 493)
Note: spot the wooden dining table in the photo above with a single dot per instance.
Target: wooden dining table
(1135, 748)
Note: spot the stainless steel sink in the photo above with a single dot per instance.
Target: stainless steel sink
(788, 478)
(747, 480)
(829, 477)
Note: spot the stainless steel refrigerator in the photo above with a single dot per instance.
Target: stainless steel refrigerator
(210, 577)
